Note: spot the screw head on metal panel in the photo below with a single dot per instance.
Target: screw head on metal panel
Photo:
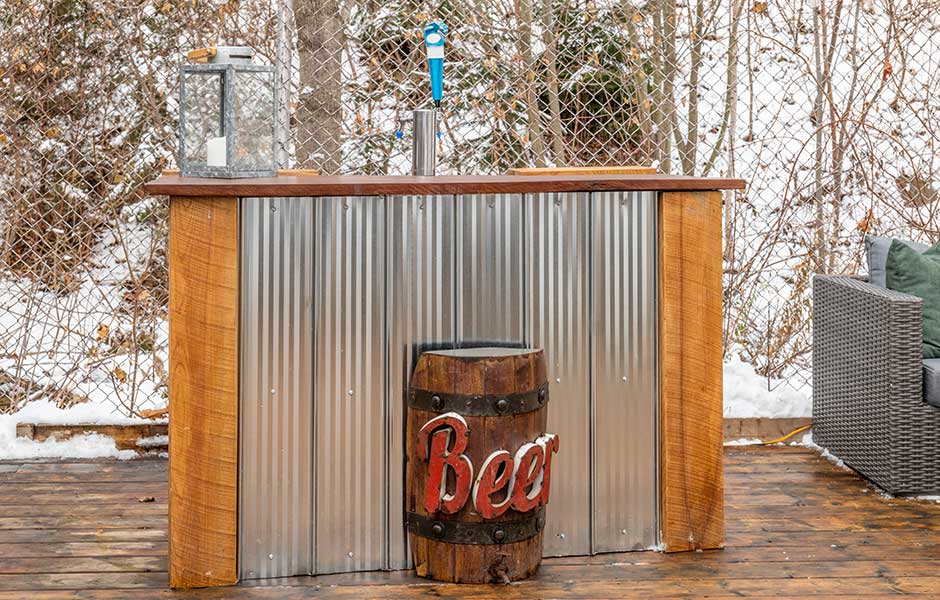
(561, 536)
(542, 393)
(499, 535)
(270, 557)
(273, 208)
(501, 405)
(437, 403)
(349, 554)
(623, 532)
(437, 529)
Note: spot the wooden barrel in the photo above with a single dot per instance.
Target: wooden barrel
(479, 464)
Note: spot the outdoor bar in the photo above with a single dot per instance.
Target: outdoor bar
(299, 306)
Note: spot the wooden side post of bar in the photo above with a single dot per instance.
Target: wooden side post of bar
(203, 258)
(690, 371)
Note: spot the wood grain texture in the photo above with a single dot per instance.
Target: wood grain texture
(690, 371)
(612, 170)
(764, 429)
(362, 185)
(203, 391)
(125, 436)
(475, 373)
(798, 527)
(311, 172)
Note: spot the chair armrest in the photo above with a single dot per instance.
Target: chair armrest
(866, 359)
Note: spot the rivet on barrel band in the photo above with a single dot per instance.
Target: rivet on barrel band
(479, 533)
(476, 405)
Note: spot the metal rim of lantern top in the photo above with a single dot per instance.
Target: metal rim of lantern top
(476, 405)
(226, 61)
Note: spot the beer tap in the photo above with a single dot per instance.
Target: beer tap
(424, 120)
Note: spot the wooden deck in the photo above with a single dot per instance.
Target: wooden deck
(796, 526)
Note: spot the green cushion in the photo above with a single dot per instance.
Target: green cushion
(918, 275)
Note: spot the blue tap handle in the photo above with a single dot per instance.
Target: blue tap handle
(434, 42)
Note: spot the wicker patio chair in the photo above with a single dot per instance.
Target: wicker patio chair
(868, 397)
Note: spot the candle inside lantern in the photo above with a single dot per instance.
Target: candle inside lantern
(215, 152)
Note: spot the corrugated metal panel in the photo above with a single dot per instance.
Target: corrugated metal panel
(421, 311)
(558, 292)
(489, 262)
(350, 420)
(276, 418)
(339, 295)
(624, 374)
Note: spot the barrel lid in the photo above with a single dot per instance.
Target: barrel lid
(484, 352)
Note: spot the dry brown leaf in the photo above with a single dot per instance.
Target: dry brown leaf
(865, 224)
(119, 374)
(102, 333)
(154, 413)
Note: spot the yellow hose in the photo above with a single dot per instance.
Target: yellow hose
(787, 436)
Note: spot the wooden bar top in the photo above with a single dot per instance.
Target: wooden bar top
(365, 185)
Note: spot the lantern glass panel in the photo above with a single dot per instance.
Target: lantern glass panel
(203, 115)
(254, 120)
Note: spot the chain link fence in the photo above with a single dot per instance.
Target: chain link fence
(829, 109)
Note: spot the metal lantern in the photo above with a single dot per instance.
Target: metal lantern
(227, 115)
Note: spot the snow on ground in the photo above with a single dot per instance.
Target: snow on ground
(747, 394)
(744, 442)
(808, 442)
(85, 446)
(89, 342)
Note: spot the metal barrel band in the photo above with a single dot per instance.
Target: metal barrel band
(481, 534)
(478, 406)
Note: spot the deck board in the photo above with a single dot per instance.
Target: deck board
(796, 526)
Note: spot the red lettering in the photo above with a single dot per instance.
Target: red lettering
(549, 444)
(525, 477)
(529, 458)
(495, 475)
(448, 439)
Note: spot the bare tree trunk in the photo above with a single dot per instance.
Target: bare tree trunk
(284, 153)
(319, 108)
(727, 133)
(554, 106)
(524, 47)
(645, 110)
(664, 61)
(688, 148)
(731, 92)
(819, 40)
